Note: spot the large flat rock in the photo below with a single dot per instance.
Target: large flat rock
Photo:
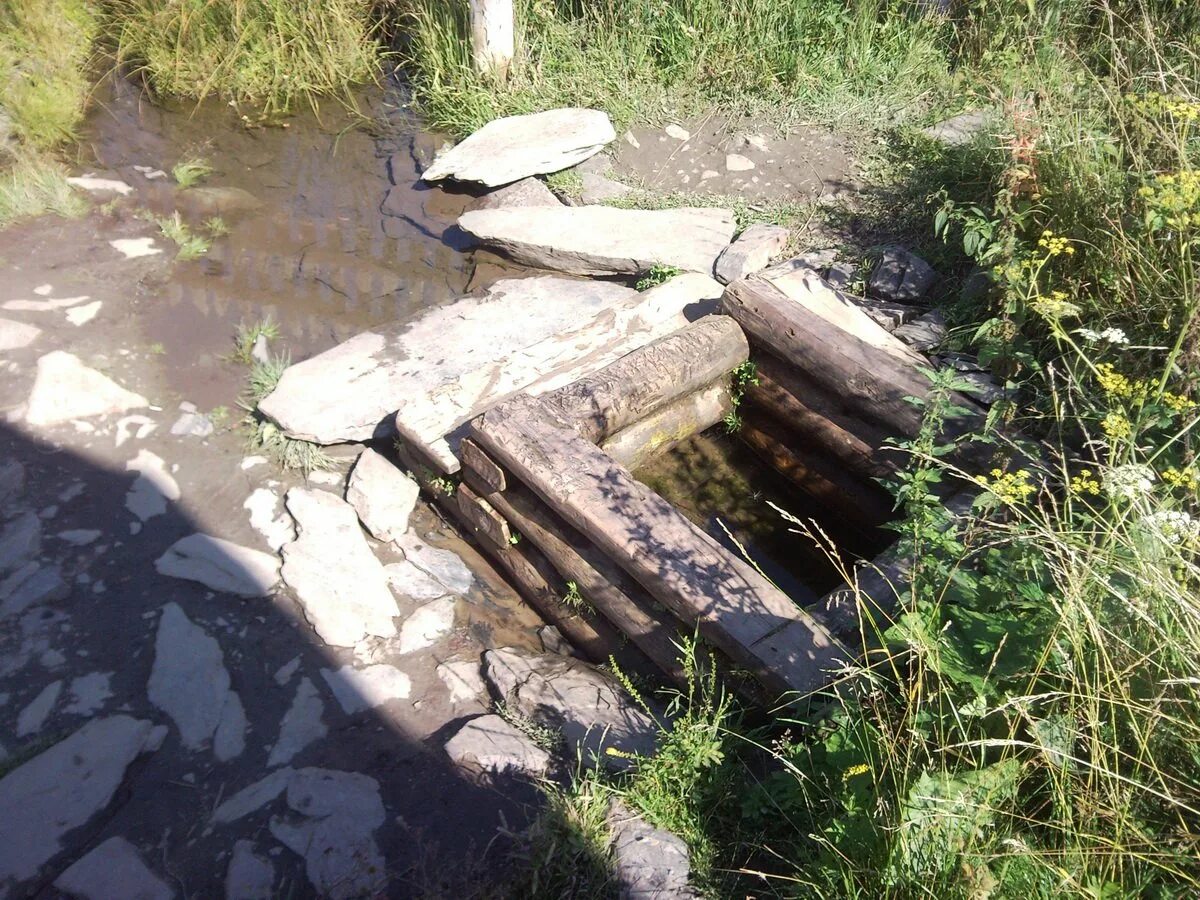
(339, 582)
(63, 788)
(603, 240)
(66, 389)
(515, 147)
(443, 369)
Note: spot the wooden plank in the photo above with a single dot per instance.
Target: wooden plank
(493, 36)
(816, 329)
(479, 464)
(638, 385)
(637, 444)
(483, 518)
(734, 606)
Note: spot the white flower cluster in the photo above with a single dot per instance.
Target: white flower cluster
(1129, 482)
(1173, 526)
(1112, 335)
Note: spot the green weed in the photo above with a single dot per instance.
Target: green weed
(272, 54)
(189, 172)
(246, 336)
(263, 435)
(34, 184)
(189, 245)
(567, 184)
(658, 274)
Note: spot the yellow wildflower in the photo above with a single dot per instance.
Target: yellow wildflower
(1177, 402)
(1085, 483)
(860, 769)
(1008, 487)
(1185, 479)
(1055, 245)
(1113, 382)
(1115, 425)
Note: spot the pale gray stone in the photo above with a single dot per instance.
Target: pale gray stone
(285, 672)
(30, 585)
(961, 129)
(89, 693)
(113, 871)
(33, 717)
(515, 147)
(338, 580)
(526, 192)
(444, 566)
(277, 529)
(221, 565)
(604, 240)
(189, 681)
(463, 679)
(12, 482)
(751, 252)
(430, 376)
(65, 389)
(80, 537)
(382, 495)
(63, 788)
(901, 275)
(677, 132)
(923, 333)
(301, 725)
(341, 811)
(648, 863)
(97, 185)
(16, 335)
(598, 188)
(153, 489)
(249, 876)
(491, 746)
(735, 162)
(427, 625)
(415, 584)
(20, 540)
(192, 424)
(886, 313)
(253, 797)
(357, 690)
(81, 315)
(588, 707)
(553, 641)
(230, 738)
(212, 200)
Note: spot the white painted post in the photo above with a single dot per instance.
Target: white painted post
(492, 40)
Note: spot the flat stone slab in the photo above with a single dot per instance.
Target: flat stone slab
(66, 389)
(221, 565)
(63, 788)
(753, 250)
(443, 369)
(648, 863)
(603, 240)
(382, 495)
(358, 690)
(526, 192)
(590, 709)
(515, 147)
(15, 335)
(114, 870)
(491, 746)
(302, 724)
(341, 585)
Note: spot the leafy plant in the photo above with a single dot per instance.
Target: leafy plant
(658, 274)
(189, 244)
(189, 172)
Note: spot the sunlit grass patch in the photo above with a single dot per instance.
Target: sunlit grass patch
(34, 184)
(273, 54)
(188, 172)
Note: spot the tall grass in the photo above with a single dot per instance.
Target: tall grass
(642, 60)
(1027, 722)
(274, 55)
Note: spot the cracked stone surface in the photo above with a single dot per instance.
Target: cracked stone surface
(114, 870)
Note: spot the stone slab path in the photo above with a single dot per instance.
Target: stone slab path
(184, 711)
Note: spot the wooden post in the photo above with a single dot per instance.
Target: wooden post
(492, 37)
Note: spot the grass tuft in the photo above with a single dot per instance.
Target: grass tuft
(35, 184)
(274, 54)
(189, 172)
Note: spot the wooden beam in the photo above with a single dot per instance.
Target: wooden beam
(637, 444)
(735, 607)
(493, 32)
(599, 405)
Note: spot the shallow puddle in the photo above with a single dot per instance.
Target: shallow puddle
(331, 231)
(718, 483)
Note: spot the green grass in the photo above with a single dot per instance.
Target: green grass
(189, 245)
(44, 50)
(646, 60)
(262, 434)
(33, 184)
(188, 172)
(246, 336)
(270, 55)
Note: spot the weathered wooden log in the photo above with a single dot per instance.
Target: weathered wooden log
(651, 628)
(646, 380)
(687, 571)
(493, 36)
(843, 495)
(486, 472)
(483, 517)
(810, 325)
(812, 428)
(654, 435)
(539, 583)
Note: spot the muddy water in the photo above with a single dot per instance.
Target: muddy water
(718, 483)
(331, 230)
